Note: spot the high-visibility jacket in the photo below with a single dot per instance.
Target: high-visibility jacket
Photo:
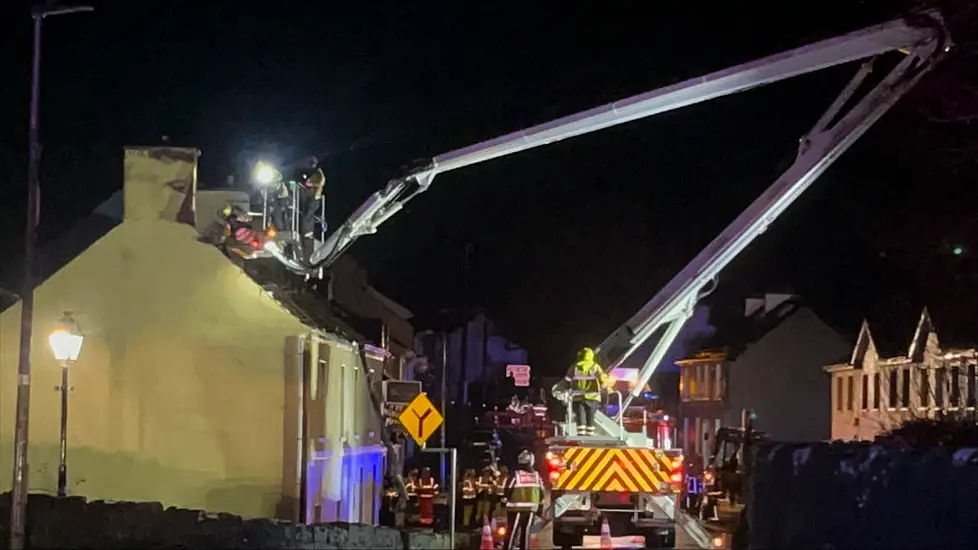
(499, 486)
(468, 488)
(483, 485)
(412, 488)
(525, 491)
(588, 377)
(427, 488)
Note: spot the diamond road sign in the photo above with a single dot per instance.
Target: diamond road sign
(420, 418)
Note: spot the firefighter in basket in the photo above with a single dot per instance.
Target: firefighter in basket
(587, 380)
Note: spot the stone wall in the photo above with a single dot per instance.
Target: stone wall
(862, 495)
(75, 523)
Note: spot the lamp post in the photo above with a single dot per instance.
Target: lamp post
(66, 343)
(18, 508)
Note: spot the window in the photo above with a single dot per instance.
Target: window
(850, 380)
(971, 385)
(892, 389)
(955, 400)
(924, 387)
(938, 388)
(905, 387)
(838, 392)
(876, 391)
(708, 381)
(719, 388)
(864, 386)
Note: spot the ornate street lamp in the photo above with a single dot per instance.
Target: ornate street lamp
(66, 344)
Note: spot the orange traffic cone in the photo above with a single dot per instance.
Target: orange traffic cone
(534, 541)
(605, 534)
(487, 542)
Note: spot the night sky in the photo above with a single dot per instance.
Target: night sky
(564, 242)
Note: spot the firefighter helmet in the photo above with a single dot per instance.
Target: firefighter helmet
(586, 354)
(525, 459)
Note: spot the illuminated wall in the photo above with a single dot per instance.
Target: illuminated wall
(185, 391)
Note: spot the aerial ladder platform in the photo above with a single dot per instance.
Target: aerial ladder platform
(914, 47)
(920, 43)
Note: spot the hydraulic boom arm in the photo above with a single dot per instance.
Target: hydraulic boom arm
(384, 203)
(842, 124)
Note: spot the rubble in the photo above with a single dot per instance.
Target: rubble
(74, 522)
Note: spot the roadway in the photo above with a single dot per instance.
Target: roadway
(689, 535)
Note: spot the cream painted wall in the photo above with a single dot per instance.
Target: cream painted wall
(180, 388)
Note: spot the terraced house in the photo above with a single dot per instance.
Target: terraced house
(886, 382)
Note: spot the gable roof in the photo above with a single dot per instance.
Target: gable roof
(888, 342)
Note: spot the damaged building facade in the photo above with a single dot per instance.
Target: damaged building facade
(891, 379)
(202, 383)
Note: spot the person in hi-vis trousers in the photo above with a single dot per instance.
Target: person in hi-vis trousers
(524, 500)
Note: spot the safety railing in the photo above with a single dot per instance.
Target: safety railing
(569, 404)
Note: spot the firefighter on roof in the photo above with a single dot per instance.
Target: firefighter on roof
(586, 378)
(524, 501)
(237, 224)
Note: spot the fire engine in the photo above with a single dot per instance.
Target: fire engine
(626, 476)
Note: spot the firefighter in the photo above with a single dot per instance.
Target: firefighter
(499, 490)
(484, 493)
(237, 225)
(469, 494)
(311, 181)
(388, 513)
(411, 485)
(524, 501)
(427, 490)
(587, 379)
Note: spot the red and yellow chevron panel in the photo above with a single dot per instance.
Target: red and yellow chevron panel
(617, 470)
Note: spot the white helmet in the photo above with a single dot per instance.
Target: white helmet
(525, 459)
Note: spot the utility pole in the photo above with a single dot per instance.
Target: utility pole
(18, 508)
(444, 401)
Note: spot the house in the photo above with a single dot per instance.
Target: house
(769, 361)
(202, 383)
(885, 381)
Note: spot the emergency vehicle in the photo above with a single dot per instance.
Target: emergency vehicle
(616, 471)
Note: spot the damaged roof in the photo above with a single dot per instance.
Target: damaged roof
(895, 333)
(301, 299)
(736, 334)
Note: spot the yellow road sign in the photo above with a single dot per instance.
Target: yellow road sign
(420, 418)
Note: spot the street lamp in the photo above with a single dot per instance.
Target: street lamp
(18, 504)
(66, 343)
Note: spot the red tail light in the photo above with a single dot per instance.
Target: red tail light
(555, 465)
(676, 477)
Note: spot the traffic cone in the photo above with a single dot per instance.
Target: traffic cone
(605, 534)
(487, 542)
(534, 540)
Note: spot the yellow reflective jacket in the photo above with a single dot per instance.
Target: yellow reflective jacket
(588, 377)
